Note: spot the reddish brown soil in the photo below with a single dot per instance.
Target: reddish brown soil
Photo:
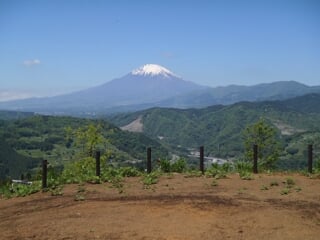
(174, 208)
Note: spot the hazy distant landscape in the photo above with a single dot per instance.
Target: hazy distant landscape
(154, 86)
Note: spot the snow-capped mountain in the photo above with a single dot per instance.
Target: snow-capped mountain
(153, 70)
(152, 85)
(147, 84)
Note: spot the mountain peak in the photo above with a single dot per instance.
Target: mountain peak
(153, 70)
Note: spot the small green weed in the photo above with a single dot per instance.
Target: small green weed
(298, 189)
(245, 175)
(263, 188)
(244, 169)
(79, 197)
(290, 182)
(117, 182)
(285, 191)
(243, 166)
(81, 189)
(216, 171)
(214, 183)
(193, 173)
(151, 178)
(129, 172)
(274, 183)
(57, 191)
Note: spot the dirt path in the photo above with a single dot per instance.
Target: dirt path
(174, 208)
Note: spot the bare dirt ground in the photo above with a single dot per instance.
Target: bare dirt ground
(175, 208)
(135, 126)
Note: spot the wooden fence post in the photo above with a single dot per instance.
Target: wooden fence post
(98, 163)
(148, 160)
(310, 158)
(202, 159)
(255, 158)
(44, 173)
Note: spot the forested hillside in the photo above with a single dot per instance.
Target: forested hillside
(220, 128)
(13, 164)
(63, 139)
(11, 115)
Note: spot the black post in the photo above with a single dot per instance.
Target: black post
(44, 173)
(98, 163)
(201, 159)
(148, 160)
(255, 158)
(310, 158)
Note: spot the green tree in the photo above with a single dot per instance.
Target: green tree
(68, 136)
(265, 136)
(89, 138)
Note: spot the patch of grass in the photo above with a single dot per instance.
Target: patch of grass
(81, 189)
(214, 183)
(192, 174)
(290, 182)
(245, 175)
(117, 182)
(285, 191)
(298, 189)
(57, 191)
(79, 197)
(21, 190)
(216, 171)
(263, 188)
(129, 172)
(243, 166)
(274, 183)
(151, 178)
(244, 169)
(178, 166)
(5, 191)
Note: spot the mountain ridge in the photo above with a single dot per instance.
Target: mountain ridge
(152, 85)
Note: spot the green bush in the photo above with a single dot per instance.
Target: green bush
(245, 175)
(317, 166)
(151, 178)
(165, 165)
(243, 166)
(179, 166)
(80, 171)
(216, 171)
(22, 190)
(129, 172)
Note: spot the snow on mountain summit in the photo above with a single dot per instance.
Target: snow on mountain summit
(153, 70)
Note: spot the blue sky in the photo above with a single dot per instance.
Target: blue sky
(49, 47)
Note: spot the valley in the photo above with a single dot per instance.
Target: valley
(171, 133)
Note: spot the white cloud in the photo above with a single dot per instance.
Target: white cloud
(13, 95)
(31, 62)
